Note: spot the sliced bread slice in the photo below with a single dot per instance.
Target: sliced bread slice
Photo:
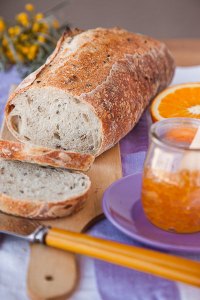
(33, 191)
(12, 149)
(45, 156)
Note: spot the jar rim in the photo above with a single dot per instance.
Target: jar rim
(176, 121)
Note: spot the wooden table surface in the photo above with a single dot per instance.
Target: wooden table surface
(186, 53)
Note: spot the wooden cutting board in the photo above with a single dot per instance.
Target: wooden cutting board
(54, 274)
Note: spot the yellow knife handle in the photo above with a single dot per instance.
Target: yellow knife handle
(145, 260)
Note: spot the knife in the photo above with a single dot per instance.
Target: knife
(145, 260)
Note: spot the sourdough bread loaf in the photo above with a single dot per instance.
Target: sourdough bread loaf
(91, 91)
(33, 191)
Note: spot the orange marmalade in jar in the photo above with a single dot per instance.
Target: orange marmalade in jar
(171, 178)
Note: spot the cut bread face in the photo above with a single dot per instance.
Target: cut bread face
(51, 118)
(34, 191)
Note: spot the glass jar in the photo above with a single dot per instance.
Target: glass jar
(171, 178)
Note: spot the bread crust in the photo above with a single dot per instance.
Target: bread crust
(45, 156)
(115, 72)
(40, 209)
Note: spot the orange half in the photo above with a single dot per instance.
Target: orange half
(181, 100)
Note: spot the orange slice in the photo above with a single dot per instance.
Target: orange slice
(181, 100)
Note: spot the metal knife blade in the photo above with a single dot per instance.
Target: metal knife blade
(30, 230)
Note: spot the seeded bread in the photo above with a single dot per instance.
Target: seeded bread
(34, 191)
(91, 91)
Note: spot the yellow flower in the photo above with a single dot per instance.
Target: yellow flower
(41, 39)
(44, 27)
(17, 30)
(22, 18)
(36, 27)
(33, 48)
(23, 37)
(32, 52)
(4, 42)
(2, 25)
(29, 7)
(25, 50)
(10, 56)
(13, 31)
(20, 57)
(39, 17)
(56, 24)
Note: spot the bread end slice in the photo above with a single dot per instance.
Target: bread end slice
(45, 156)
